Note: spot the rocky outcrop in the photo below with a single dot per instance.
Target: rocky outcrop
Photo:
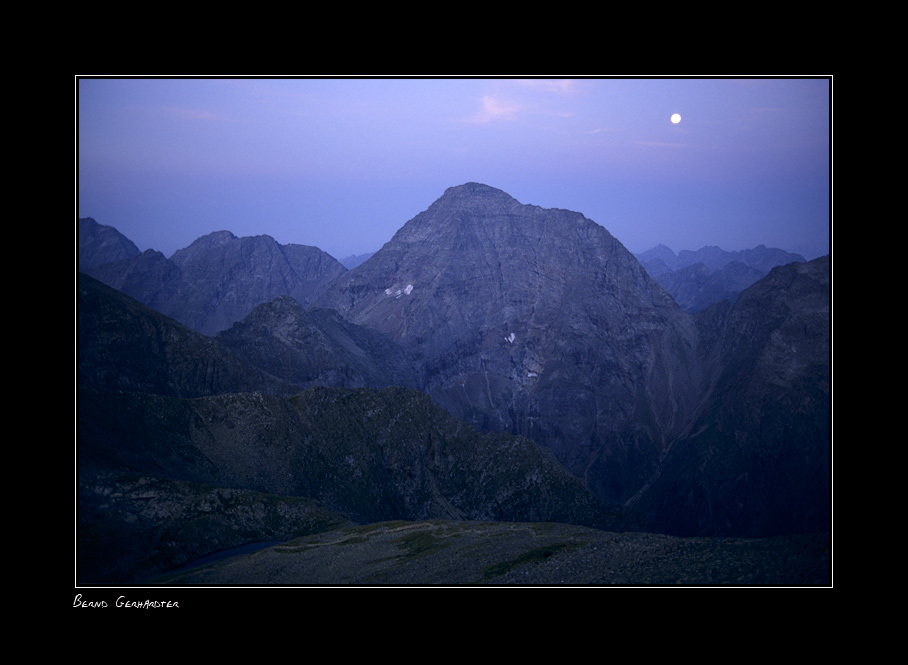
(132, 526)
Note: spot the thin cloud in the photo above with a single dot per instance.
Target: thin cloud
(494, 109)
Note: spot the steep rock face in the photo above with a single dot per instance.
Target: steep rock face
(318, 347)
(537, 322)
(757, 460)
(100, 244)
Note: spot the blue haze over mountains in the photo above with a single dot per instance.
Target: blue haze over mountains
(658, 381)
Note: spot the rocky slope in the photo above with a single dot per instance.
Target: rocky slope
(227, 276)
(131, 525)
(371, 455)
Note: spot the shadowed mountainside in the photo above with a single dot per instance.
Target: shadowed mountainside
(757, 459)
(362, 455)
(124, 345)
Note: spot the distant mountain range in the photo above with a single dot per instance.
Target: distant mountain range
(697, 279)
(494, 360)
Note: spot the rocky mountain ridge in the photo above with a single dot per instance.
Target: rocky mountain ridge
(218, 279)
(537, 323)
(661, 258)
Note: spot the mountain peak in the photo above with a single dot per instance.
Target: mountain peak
(100, 244)
(216, 238)
(472, 188)
(474, 192)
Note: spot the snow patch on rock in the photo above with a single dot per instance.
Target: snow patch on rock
(397, 293)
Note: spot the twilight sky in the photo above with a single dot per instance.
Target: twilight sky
(343, 163)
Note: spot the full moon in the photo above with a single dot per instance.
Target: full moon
(676, 118)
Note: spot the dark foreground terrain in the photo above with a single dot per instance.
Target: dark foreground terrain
(497, 553)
